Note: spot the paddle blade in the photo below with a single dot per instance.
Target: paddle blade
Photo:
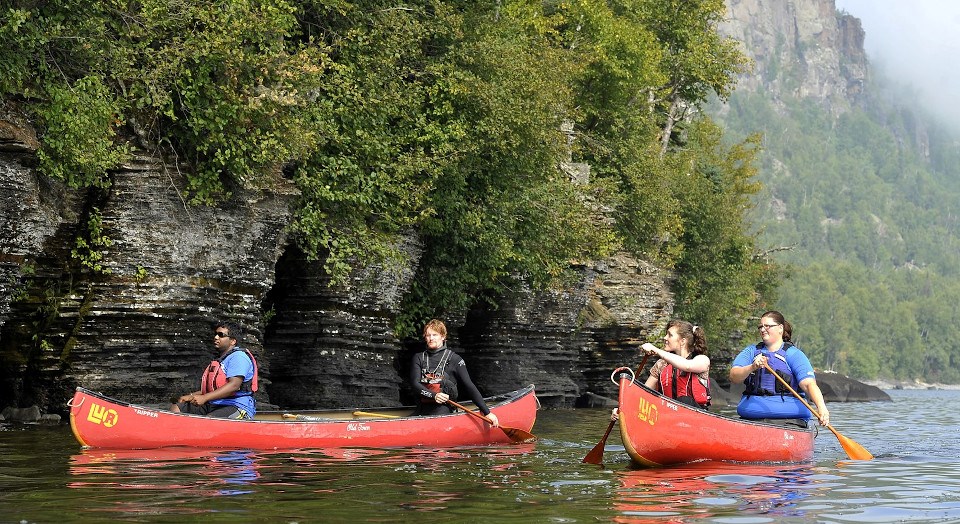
(519, 435)
(596, 454)
(854, 450)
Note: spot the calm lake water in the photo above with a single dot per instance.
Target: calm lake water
(46, 477)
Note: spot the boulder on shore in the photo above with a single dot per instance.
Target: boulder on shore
(30, 414)
(841, 388)
(835, 388)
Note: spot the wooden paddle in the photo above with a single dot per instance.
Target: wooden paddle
(854, 450)
(370, 414)
(515, 434)
(596, 454)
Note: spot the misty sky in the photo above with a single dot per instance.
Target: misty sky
(918, 42)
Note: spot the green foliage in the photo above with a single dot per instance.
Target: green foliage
(226, 84)
(370, 177)
(89, 247)
(698, 61)
(80, 130)
(502, 211)
(647, 64)
(13, 24)
(443, 120)
(718, 276)
(19, 284)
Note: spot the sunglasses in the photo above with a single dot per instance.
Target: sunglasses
(221, 334)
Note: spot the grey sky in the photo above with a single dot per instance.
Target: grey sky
(918, 43)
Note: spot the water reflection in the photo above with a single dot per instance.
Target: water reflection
(707, 490)
(165, 469)
(915, 478)
(181, 476)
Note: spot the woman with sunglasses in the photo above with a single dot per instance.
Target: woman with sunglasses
(765, 397)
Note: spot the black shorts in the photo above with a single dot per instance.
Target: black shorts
(213, 410)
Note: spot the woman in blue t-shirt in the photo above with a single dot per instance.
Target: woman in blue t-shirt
(764, 396)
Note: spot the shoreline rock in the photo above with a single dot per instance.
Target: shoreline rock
(913, 384)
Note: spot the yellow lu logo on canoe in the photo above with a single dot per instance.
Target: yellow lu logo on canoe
(100, 415)
(648, 412)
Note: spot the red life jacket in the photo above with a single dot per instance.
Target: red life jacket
(214, 377)
(692, 391)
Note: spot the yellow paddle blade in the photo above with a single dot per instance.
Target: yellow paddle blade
(853, 448)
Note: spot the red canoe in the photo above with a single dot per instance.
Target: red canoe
(658, 431)
(101, 422)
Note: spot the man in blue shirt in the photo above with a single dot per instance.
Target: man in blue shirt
(228, 383)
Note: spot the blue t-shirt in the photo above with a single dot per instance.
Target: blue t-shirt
(776, 406)
(238, 364)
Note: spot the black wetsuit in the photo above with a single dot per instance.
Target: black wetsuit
(455, 379)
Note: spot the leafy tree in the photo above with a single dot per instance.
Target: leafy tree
(444, 120)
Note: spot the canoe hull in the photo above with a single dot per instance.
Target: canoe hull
(658, 431)
(101, 422)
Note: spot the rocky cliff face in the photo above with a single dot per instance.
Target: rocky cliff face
(801, 49)
(569, 342)
(334, 346)
(141, 331)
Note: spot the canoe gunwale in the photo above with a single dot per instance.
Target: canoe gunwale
(111, 423)
(492, 402)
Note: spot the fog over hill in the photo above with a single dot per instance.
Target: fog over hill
(916, 43)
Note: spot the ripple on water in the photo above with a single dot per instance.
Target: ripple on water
(45, 477)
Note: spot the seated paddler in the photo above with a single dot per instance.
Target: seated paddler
(682, 371)
(765, 397)
(228, 383)
(438, 375)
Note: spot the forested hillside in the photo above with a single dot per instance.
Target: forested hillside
(867, 204)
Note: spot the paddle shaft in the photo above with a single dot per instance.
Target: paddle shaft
(474, 413)
(642, 363)
(595, 456)
(515, 434)
(854, 450)
(370, 414)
